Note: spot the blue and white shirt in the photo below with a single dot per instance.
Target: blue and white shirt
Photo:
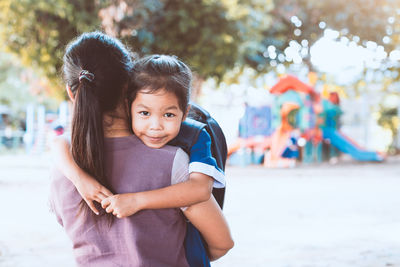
(201, 160)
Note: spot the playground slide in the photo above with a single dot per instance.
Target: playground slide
(345, 145)
(278, 143)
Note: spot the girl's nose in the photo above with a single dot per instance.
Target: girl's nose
(155, 124)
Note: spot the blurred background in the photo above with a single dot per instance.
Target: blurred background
(307, 93)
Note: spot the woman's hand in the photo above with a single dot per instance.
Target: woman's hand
(91, 190)
(122, 205)
(207, 217)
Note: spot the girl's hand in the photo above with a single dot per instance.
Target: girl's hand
(122, 205)
(91, 190)
(88, 187)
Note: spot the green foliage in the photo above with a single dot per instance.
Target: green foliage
(366, 20)
(37, 30)
(198, 32)
(389, 119)
(253, 18)
(212, 36)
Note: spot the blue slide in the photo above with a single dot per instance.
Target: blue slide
(345, 145)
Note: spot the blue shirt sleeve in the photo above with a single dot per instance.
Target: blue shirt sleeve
(201, 160)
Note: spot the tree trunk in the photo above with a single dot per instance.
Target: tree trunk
(196, 88)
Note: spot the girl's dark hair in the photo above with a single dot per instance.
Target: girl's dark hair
(97, 68)
(156, 72)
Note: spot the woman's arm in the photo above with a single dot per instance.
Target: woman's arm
(88, 187)
(207, 217)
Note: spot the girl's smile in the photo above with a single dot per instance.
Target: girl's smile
(154, 140)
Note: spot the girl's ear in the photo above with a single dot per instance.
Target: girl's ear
(69, 92)
(186, 113)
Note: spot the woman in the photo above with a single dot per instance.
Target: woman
(96, 70)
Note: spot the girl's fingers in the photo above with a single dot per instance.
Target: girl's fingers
(92, 207)
(109, 209)
(105, 203)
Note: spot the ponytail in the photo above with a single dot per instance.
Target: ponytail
(97, 69)
(87, 139)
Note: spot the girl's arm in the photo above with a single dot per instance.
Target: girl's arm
(185, 193)
(204, 173)
(207, 217)
(182, 193)
(198, 188)
(88, 187)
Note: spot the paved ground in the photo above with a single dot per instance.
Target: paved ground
(343, 215)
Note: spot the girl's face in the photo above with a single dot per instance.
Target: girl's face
(156, 117)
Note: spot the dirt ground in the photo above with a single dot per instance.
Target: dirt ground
(328, 215)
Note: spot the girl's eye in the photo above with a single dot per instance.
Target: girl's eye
(144, 113)
(169, 115)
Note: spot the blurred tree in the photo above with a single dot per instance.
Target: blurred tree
(37, 31)
(388, 118)
(253, 18)
(211, 36)
(298, 24)
(198, 32)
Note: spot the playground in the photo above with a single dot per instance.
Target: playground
(314, 215)
(298, 126)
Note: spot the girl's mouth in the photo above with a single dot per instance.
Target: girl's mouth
(155, 139)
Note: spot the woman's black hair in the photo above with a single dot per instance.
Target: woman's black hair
(97, 69)
(155, 72)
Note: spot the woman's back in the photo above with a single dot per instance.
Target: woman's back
(148, 238)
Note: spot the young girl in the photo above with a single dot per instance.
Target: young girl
(96, 71)
(158, 99)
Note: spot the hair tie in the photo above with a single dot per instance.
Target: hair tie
(86, 75)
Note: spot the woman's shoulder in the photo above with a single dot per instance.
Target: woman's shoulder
(121, 143)
(135, 145)
(168, 149)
